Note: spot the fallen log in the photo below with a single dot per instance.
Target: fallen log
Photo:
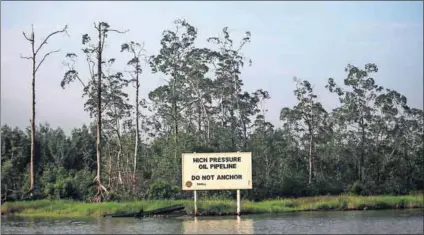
(142, 213)
(121, 214)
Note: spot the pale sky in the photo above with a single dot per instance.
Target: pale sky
(310, 40)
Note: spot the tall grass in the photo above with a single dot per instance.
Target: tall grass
(65, 208)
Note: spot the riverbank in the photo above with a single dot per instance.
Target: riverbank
(65, 208)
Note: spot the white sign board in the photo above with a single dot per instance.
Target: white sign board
(217, 171)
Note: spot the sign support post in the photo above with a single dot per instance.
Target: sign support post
(195, 202)
(195, 199)
(238, 202)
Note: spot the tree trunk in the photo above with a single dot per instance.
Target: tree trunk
(99, 108)
(311, 132)
(100, 187)
(32, 177)
(32, 120)
(199, 119)
(110, 166)
(310, 159)
(244, 134)
(119, 151)
(137, 128)
(203, 109)
(233, 132)
(175, 117)
(207, 122)
(175, 141)
(361, 159)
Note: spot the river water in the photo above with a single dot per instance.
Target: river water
(353, 222)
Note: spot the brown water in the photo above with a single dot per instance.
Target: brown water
(353, 222)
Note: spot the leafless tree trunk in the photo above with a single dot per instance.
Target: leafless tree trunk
(310, 143)
(99, 110)
(35, 67)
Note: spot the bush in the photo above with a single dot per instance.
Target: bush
(113, 196)
(163, 190)
(356, 188)
(220, 195)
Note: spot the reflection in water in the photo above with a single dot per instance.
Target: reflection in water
(232, 225)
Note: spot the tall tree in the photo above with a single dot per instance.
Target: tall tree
(230, 60)
(199, 88)
(138, 54)
(117, 110)
(35, 50)
(94, 88)
(172, 61)
(307, 115)
(357, 108)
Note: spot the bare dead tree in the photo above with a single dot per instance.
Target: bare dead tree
(35, 51)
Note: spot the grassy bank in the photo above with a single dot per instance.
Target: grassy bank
(65, 208)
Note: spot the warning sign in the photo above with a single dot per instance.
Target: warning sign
(217, 171)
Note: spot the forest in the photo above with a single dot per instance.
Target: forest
(371, 144)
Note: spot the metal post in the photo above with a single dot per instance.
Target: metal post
(195, 202)
(195, 199)
(238, 199)
(238, 202)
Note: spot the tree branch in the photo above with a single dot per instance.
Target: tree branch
(130, 73)
(45, 56)
(188, 104)
(79, 79)
(117, 31)
(29, 39)
(67, 64)
(47, 38)
(95, 26)
(166, 80)
(91, 65)
(26, 57)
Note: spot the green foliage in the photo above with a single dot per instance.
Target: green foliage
(162, 190)
(356, 188)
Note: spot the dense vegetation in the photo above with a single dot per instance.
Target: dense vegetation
(372, 143)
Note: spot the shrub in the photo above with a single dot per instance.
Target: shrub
(163, 190)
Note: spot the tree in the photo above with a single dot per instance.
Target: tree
(357, 110)
(15, 148)
(93, 89)
(35, 67)
(199, 88)
(117, 109)
(308, 116)
(229, 63)
(172, 61)
(138, 54)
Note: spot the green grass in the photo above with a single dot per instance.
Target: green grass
(64, 208)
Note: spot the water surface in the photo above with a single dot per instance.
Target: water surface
(348, 222)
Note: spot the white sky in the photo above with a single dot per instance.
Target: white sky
(310, 40)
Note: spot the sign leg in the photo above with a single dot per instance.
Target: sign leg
(238, 202)
(195, 203)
